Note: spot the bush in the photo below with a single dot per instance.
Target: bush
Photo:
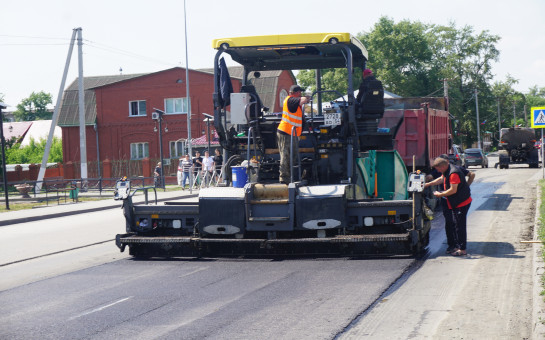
(33, 152)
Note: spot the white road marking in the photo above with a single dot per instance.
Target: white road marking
(100, 308)
(199, 269)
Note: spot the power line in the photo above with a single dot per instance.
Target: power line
(90, 43)
(124, 52)
(32, 37)
(26, 44)
(434, 92)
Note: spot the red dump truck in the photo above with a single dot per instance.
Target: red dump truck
(424, 132)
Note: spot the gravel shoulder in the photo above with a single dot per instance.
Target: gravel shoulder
(485, 295)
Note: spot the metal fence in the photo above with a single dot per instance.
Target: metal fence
(90, 185)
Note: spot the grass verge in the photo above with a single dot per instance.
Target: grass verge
(541, 227)
(15, 206)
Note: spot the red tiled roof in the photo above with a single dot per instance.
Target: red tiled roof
(16, 129)
(202, 140)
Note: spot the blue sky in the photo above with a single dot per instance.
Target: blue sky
(148, 36)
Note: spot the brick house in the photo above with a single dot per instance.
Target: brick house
(118, 111)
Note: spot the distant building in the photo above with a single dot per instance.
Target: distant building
(8, 116)
(17, 130)
(24, 131)
(118, 111)
(40, 130)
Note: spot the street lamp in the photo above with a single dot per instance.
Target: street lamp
(523, 98)
(157, 115)
(4, 175)
(207, 120)
(478, 123)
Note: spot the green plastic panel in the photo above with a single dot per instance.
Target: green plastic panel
(391, 175)
(366, 167)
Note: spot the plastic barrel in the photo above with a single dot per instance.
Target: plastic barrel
(239, 176)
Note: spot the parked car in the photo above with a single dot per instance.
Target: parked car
(475, 157)
(456, 156)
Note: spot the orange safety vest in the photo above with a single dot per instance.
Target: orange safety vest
(291, 119)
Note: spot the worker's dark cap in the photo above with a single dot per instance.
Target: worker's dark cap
(296, 88)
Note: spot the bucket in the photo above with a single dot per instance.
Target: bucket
(239, 176)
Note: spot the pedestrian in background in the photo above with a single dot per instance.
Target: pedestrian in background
(207, 168)
(157, 176)
(458, 197)
(180, 171)
(197, 166)
(218, 163)
(186, 165)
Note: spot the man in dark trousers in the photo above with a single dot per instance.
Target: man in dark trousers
(458, 195)
(158, 176)
(197, 167)
(447, 213)
(292, 116)
(364, 86)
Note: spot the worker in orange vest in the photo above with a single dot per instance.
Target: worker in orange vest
(292, 116)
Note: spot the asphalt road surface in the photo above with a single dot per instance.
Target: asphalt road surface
(239, 299)
(94, 292)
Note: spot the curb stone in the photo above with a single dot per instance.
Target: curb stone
(538, 268)
(82, 209)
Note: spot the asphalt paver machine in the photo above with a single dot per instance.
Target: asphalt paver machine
(350, 191)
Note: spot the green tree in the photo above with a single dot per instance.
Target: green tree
(465, 59)
(33, 152)
(412, 59)
(536, 97)
(2, 101)
(401, 56)
(332, 79)
(536, 92)
(34, 107)
(504, 94)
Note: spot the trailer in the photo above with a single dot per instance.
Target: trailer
(350, 191)
(425, 132)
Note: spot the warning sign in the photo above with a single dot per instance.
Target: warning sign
(538, 117)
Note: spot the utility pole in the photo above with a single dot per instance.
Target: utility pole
(81, 104)
(318, 89)
(514, 114)
(3, 141)
(478, 123)
(188, 100)
(445, 93)
(55, 117)
(525, 118)
(159, 118)
(499, 119)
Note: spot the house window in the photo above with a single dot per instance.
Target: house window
(137, 108)
(176, 105)
(139, 150)
(177, 149)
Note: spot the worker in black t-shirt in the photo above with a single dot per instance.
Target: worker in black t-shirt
(447, 213)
